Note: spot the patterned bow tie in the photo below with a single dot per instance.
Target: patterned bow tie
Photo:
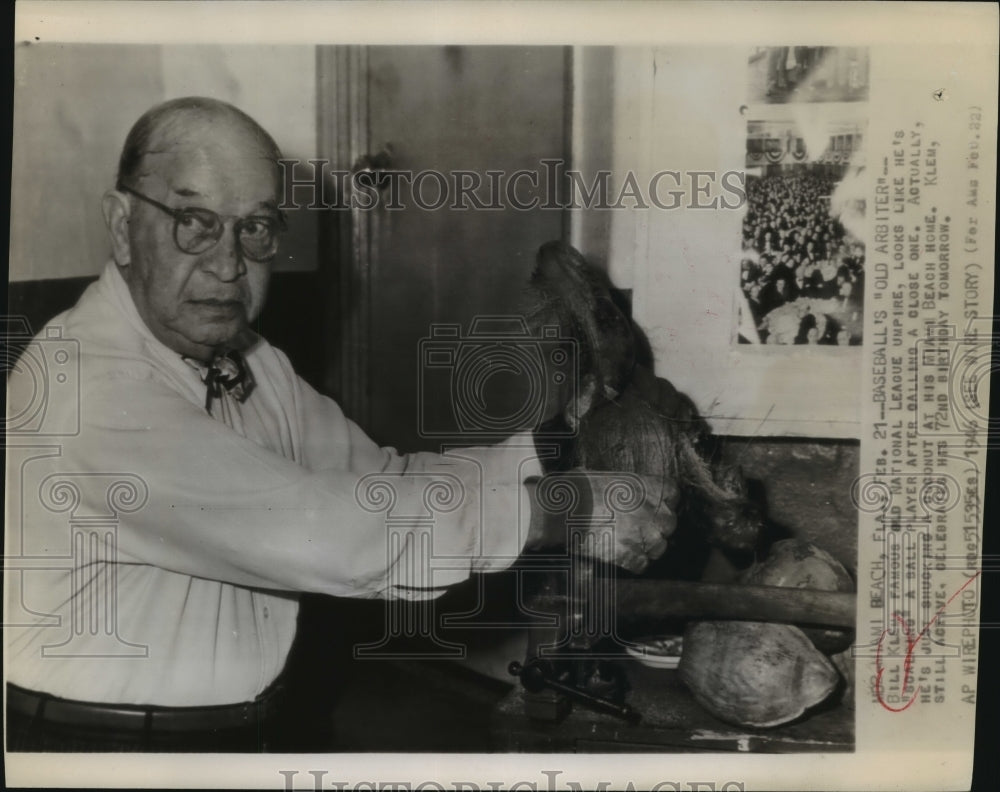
(229, 372)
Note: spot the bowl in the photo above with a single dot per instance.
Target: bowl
(657, 651)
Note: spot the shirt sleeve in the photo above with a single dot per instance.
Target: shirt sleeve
(349, 518)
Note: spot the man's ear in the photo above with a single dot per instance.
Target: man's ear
(117, 209)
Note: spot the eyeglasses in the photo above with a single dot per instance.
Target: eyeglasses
(197, 230)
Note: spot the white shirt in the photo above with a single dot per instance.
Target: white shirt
(211, 523)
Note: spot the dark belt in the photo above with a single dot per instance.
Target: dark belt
(43, 708)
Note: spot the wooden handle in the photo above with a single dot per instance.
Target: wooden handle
(648, 602)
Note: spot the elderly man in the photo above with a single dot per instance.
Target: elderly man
(226, 484)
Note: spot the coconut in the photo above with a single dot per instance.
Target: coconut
(755, 674)
(798, 564)
(626, 418)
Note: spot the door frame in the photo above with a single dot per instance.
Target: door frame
(347, 236)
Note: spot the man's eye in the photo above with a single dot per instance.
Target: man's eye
(254, 227)
(190, 221)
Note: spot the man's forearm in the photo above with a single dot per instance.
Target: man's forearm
(554, 498)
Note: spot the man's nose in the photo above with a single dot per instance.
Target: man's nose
(225, 259)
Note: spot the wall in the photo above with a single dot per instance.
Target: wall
(74, 105)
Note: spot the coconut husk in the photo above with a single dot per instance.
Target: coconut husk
(567, 292)
(626, 418)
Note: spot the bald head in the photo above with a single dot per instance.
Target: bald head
(188, 123)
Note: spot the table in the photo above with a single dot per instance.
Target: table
(672, 722)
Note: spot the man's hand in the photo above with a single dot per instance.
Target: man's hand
(622, 518)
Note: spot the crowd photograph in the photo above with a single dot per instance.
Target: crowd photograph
(802, 264)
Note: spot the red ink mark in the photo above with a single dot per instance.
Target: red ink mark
(911, 644)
